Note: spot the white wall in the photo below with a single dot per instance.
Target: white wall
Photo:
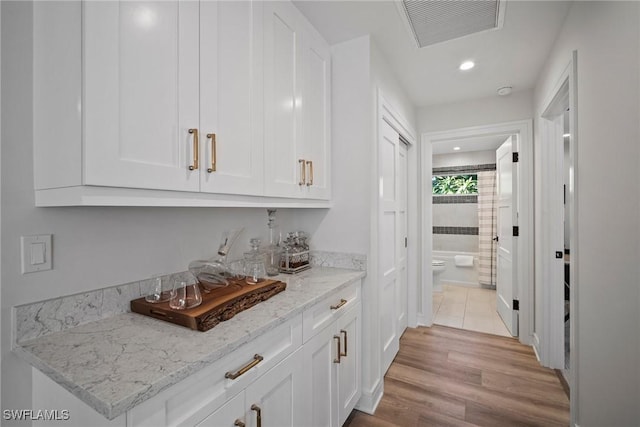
(466, 158)
(606, 36)
(497, 109)
(383, 78)
(358, 72)
(92, 247)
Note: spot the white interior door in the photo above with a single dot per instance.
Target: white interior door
(506, 284)
(387, 242)
(401, 289)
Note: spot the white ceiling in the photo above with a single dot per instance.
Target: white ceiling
(511, 56)
(478, 143)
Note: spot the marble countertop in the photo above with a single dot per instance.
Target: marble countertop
(116, 363)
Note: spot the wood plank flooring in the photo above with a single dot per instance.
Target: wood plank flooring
(450, 377)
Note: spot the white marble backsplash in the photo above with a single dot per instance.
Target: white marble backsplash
(42, 318)
(339, 260)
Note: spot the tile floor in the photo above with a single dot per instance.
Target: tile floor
(473, 309)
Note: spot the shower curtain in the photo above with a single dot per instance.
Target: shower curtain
(487, 227)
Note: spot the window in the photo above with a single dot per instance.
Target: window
(455, 184)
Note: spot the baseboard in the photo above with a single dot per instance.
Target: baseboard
(370, 399)
(422, 321)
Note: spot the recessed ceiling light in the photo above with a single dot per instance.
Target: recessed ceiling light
(456, 148)
(467, 65)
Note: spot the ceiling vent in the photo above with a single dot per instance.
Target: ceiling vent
(436, 21)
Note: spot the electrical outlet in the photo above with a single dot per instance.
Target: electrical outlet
(36, 253)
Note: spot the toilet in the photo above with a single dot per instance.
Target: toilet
(438, 267)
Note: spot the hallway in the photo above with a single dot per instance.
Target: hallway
(451, 377)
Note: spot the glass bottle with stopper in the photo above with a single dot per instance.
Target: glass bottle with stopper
(273, 250)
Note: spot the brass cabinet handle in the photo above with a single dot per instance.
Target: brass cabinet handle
(303, 174)
(310, 164)
(344, 333)
(256, 408)
(340, 304)
(239, 423)
(196, 149)
(337, 338)
(212, 137)
(256, 359)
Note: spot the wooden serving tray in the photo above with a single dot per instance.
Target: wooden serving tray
(218, 304)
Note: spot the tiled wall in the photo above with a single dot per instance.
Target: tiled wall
(455, 217)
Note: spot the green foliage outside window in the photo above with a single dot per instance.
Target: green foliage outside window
(455, 184)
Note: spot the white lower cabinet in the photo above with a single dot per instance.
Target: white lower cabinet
(283, 378)
(332, 358)
(274, 400)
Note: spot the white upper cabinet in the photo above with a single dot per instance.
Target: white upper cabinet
(168, 106)
(140, 94)
(283, 99)
(179, 103)
(297, 105)
(316, 123)
(231, 97)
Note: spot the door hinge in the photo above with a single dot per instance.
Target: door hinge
(516, 305)
(515, 157)
(405, 242)
(516, 231)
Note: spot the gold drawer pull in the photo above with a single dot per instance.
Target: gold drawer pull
(337, 338)
(239, 423)
(310, 164)
(256, 359)
(340, 304)
(196, 148)
(212, 137)
(303, 173)
(343, 332)
(256, 408)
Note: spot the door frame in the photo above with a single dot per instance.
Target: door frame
(524, 265)
(551, 340)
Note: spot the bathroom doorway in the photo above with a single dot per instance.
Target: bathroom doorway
(466, 241)
(466, 296)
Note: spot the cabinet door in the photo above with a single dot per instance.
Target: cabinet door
(316, 109)
(231, 97)
(227, 414)
(320, 354)
(283, 96)
(349, 389)
(140, 94)
(277, 396)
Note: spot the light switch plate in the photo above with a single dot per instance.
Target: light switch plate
(36, 253)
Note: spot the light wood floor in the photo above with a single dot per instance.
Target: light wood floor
(450, 377)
